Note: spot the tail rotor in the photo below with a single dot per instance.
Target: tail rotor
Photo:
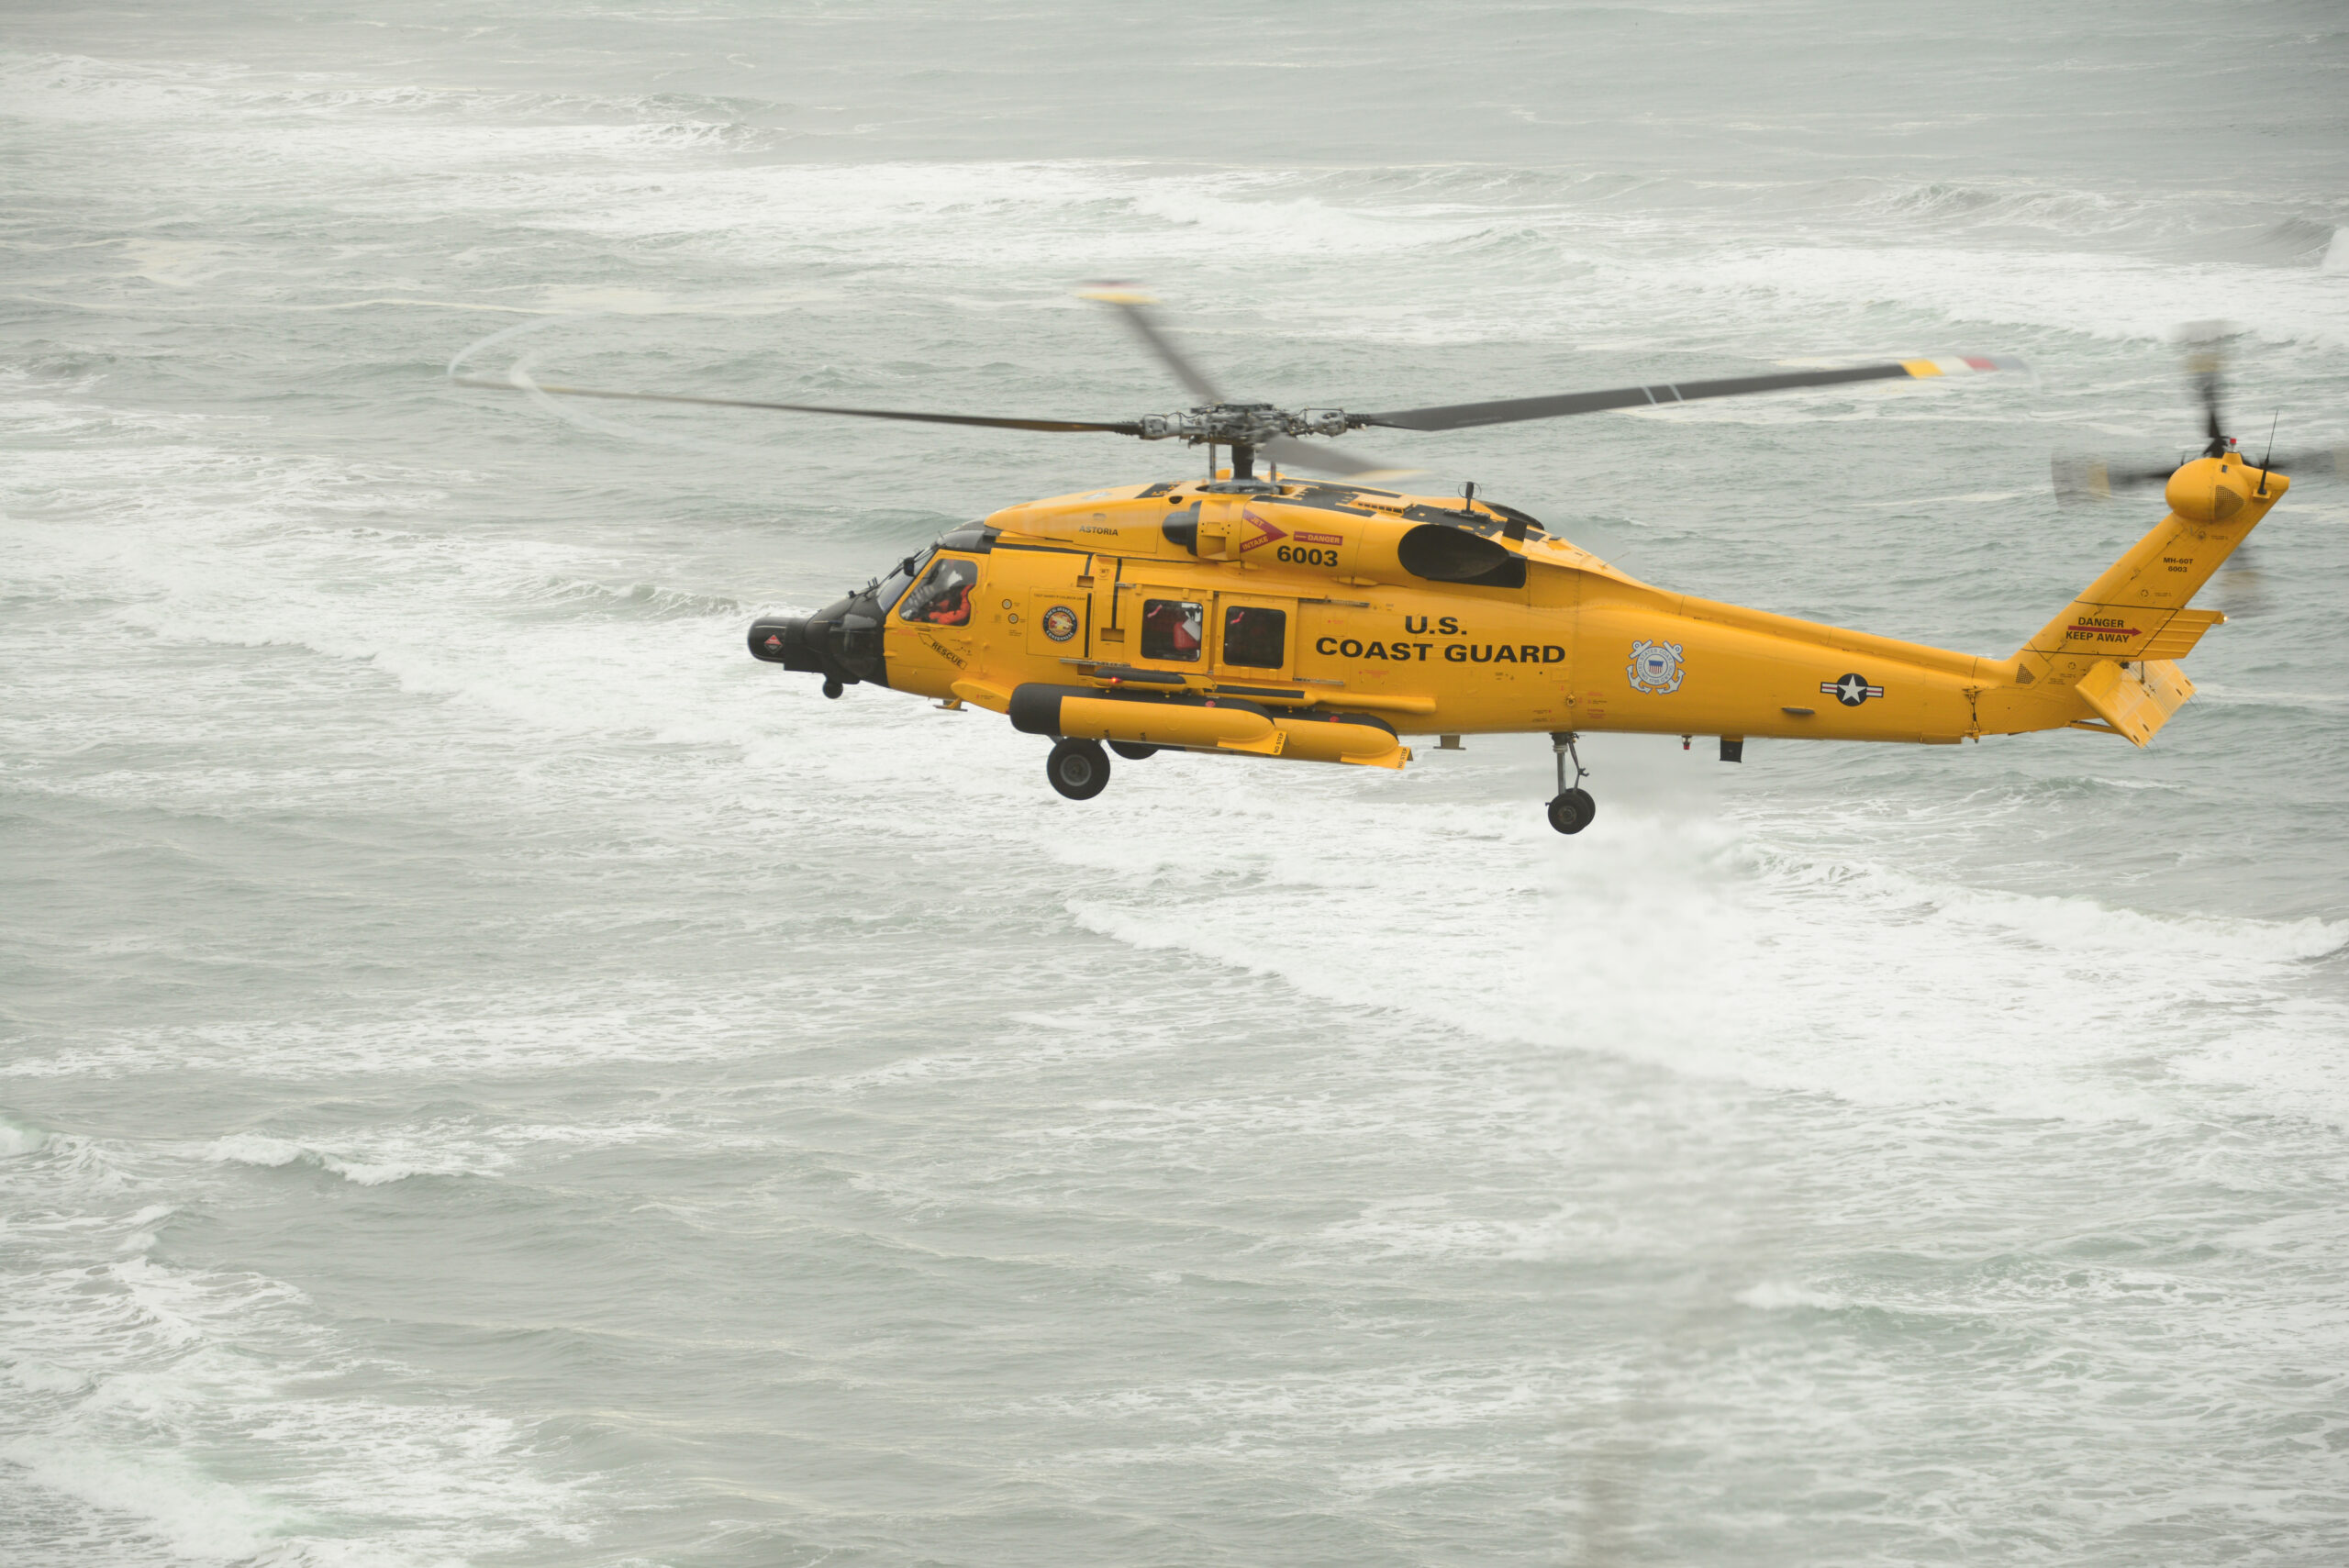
(2082, 478)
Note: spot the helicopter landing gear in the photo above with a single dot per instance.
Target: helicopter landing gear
(1572, 810)
(833, 688)
(1078, 769)
(1132, 751)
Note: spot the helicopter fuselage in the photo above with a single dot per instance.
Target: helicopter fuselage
(1321, 620)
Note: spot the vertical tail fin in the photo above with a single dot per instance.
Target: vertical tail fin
(2116, 644)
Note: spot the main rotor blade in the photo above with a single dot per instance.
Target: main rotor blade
(1315, 458)
(1122, 428)
(1134, 305)
(1461, 416)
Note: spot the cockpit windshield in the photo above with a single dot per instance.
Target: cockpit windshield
(886, 594)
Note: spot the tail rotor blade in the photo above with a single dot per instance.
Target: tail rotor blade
(2083, 480)
(2206, 362)
(2311, 460)
(2080, 479)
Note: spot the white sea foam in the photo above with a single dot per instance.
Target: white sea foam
(543, 1030)
(1798, 972)
(383, 1155)
(16, 1138)
(374, 1164)
(1258, 1143)
(2111, 297)
(1778, 1296)
(192, 1515)
(151, 1392)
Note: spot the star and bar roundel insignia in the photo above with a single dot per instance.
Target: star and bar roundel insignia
(1851, 691)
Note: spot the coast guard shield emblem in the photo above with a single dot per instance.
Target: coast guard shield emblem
(1654, 667)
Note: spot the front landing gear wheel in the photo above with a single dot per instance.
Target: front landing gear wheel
(1078, 769)
(833, 688)
(1572, 812)
(1132, 751)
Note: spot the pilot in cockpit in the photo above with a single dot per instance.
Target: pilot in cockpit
(944, 596)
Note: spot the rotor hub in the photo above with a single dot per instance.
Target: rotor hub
(1241, 423)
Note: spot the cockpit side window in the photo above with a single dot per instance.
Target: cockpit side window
(943, 598)
(905, 572)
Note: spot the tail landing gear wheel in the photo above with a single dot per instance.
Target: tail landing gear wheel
(1572, 812)
(833, 688)
(1132, 751)
(1572, 809)
(1078, 769)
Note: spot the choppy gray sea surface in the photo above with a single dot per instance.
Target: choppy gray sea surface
(492, 1075)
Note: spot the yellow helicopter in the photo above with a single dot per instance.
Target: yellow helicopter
(1322, 620)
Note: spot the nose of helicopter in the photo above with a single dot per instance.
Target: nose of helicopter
(840, 642)
(784, 640)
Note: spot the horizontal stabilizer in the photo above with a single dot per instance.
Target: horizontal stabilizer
(2134, 701)
(2185, 628)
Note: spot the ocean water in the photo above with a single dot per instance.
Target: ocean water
(490, 1074)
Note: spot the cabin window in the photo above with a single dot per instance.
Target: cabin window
(1254, 636)
(1172, 629)
(943, 598)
